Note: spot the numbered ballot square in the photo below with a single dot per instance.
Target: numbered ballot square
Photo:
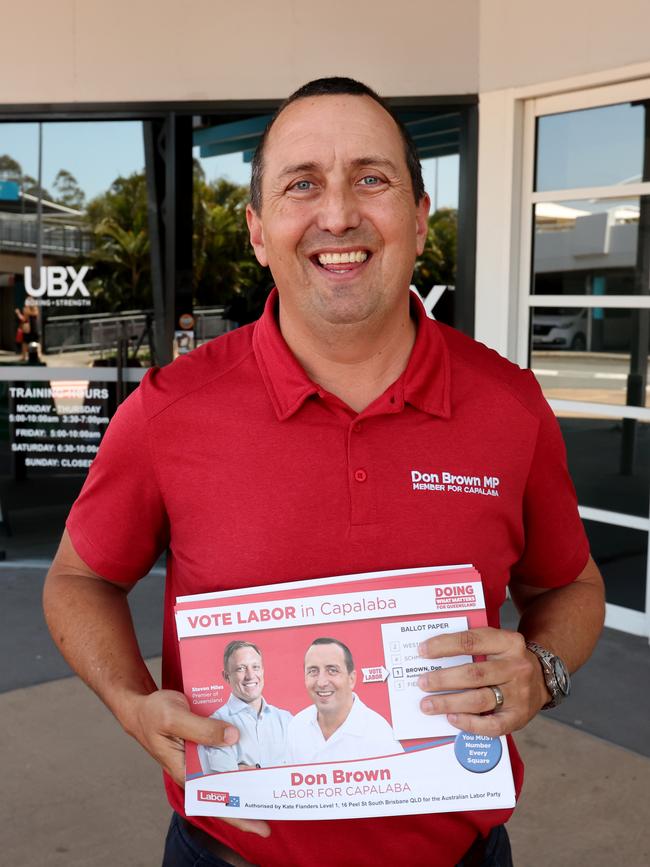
(403, 691)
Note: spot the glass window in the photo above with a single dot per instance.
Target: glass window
(609, 462)
(75, 270)
(593, 354)
(591, 148)
(622, 556)
(590, 247)
(50, 431)
(230, 287)
(75, 295)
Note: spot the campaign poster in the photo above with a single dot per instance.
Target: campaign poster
(321, 679)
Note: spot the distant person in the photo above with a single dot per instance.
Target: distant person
(30, 311)
(21, 345)
(27, 331)
(338, 725)
(262, 727)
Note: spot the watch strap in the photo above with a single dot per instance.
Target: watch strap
(549, 661)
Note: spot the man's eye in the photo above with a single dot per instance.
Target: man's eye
(302, 186)
(370, 181)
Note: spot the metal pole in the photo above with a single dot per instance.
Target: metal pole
(39, 205)
(640, 319)
(39, 224)
(435, 186)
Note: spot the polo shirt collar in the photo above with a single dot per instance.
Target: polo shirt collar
(354, 723)
(424, 384)
(236, 705)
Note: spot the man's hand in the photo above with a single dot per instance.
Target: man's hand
(162, 721)
(508, 664)
(90, 622)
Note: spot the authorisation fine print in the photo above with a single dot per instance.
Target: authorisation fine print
(321, 680)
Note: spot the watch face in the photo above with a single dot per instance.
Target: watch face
(561, 676)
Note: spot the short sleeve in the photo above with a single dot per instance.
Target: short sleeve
(118, 524)
(556, 546)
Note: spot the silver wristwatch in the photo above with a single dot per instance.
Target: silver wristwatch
(556, 675)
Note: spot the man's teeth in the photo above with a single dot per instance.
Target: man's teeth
(342, 258)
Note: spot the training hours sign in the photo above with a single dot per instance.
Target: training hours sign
(57, 425)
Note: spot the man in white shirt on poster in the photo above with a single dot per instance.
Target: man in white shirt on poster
(338, 725)
(262, 727)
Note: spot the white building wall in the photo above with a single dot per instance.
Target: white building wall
(523, 42)
(141, 50)
(528, 49)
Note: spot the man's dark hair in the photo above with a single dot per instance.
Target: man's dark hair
(335, 86)
(233, 647)
(347, 655)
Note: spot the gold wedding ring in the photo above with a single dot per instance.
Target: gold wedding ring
(498, 696)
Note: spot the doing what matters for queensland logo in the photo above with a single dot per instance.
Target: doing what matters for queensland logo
(455, 483)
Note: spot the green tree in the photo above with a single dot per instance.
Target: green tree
(225, 268)
(437, 264)
(121, 275)
(67, 190)
(10, 169)
(225, 271)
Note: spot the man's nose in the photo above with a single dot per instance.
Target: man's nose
(338, 210)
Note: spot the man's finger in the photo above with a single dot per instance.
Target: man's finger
(173, 761)
(472, 675)
(492, 725)
(471, 701)
(482, 641)
(202, 730)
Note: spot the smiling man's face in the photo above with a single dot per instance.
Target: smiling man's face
(327, 679)
(246, 674)
(339, 226)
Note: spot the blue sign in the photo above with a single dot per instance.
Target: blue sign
(9, 191)
(477, 753)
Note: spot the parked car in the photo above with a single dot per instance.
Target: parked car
(559, 328)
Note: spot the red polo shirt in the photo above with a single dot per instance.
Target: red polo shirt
(252, 474)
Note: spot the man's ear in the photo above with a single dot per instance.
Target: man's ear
(256, 233)
(422, 222)
(353, 679)
(225, 676)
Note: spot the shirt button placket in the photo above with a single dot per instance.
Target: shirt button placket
(361, 489)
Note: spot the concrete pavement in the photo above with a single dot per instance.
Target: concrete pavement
(79, 793)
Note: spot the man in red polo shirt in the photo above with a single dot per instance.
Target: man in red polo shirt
(311, 444)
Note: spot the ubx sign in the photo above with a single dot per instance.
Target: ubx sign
(58, 285)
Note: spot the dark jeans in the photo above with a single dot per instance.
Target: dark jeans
(182, 851)
(497, 851)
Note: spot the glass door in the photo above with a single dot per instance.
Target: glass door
(585, 316)
(76, 311)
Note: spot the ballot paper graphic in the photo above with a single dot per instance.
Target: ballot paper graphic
(359, 635)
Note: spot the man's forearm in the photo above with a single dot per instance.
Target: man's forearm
(90, 621)
(567, 620)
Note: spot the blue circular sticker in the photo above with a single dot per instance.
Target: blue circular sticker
(477, 753)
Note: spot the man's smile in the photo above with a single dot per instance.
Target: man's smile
(341, 261)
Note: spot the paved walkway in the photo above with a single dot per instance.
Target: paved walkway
(79, 793)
